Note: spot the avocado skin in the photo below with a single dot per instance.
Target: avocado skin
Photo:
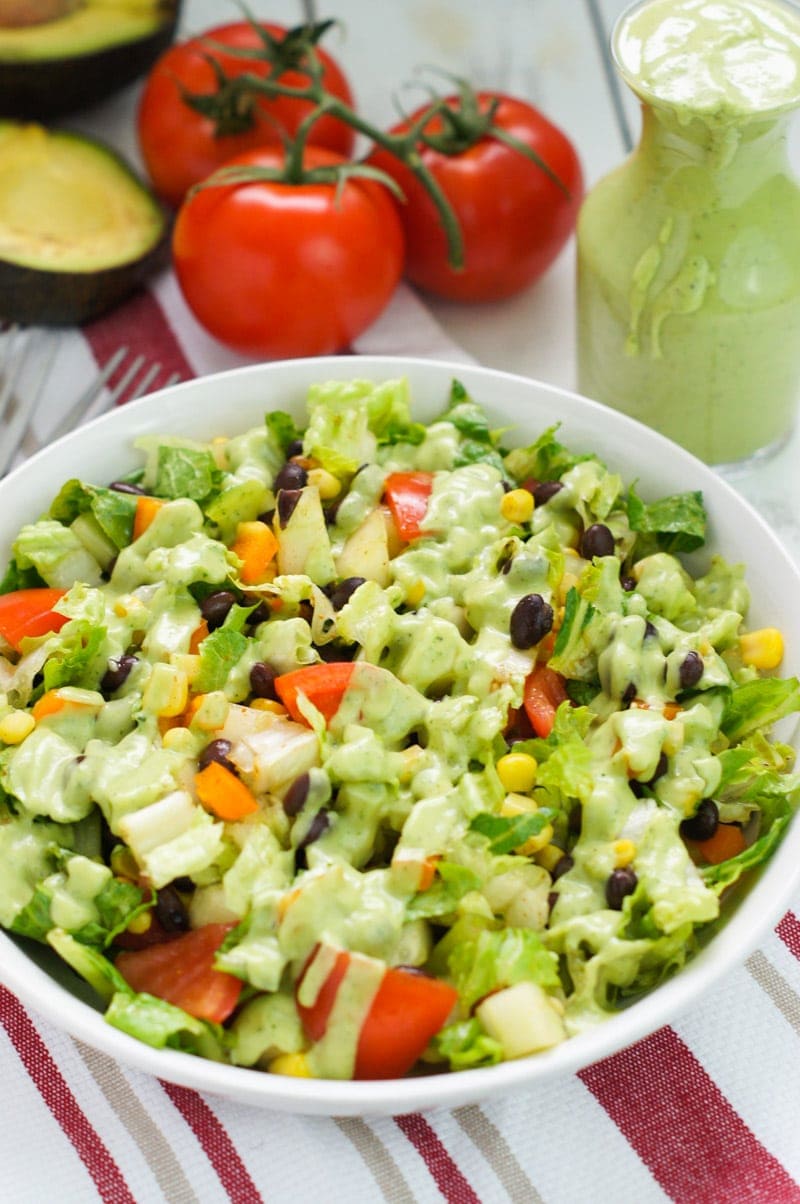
(57, 87)
(33, 297)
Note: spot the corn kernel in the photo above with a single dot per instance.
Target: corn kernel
(166, 692)
(328, 485)
(140, 924)
(517, 506)
(268, 704)
(179, 739)
(519, 804)
(624, 853)
(549, 857)
(415, 593)
(15, 726)
(763, 649)
(294, 1064)
(517, 771)
(123, 863)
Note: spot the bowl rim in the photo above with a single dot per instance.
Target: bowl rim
(728, 947)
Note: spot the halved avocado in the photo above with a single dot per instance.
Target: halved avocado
(78, 230)
(74, 53)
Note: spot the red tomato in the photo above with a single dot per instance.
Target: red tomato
(29, 612)
(407, 495)
(279, 270)
(408, 1009)
(181, 971)
(179, 145)
(543, 695)
(323, 685)
(514, 219)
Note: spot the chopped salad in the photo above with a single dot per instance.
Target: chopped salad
(373, 747)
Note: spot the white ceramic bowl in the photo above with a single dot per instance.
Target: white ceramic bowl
(230, 402)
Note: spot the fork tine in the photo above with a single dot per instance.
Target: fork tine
(15, 429)
(95, 389)
(17, 341)
(145, 383)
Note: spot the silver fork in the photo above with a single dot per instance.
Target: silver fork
(17, 353)
(18, 350)
(96, 399)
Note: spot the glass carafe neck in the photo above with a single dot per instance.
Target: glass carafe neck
(755, 148)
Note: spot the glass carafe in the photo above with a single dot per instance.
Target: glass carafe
(689, 263)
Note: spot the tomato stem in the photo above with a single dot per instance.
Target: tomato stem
(462, 125)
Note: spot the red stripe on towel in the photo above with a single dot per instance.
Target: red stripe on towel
(56, 1093)
(444, 1171)
(683, 1128)
(216, 1143)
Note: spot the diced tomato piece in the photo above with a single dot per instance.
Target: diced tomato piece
(409, 1008)
(181, 971)
(407, 495)
(545, 690)
(29, 612)
(323, 685)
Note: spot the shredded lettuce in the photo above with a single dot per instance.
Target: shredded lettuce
(678, 522)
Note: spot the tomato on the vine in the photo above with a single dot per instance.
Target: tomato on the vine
(277, 269)
(514, 217)
(181, 146)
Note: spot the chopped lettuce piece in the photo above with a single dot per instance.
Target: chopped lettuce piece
(465, 1045)
(499, 959)
(678, 522)
(758, 704)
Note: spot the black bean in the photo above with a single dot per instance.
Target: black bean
(331, 509)
(267, 517)
(171, 910)
(628, 583)
(215, 607)
(562, 866)
(262, 681)
(543, 490)
(552, 899)
(291, 476)
(127, 487)
(629, 694)
(287, 500)
(318, 827)
(661, 768)
(336, 652)
(597, 541)
(295, 798)
(650, 630)
(531, 620)
(637, 788)
(703, 824)
(261, 614)
(691, 670)
(575, 820)
(219, 751)
(342, 593)
(295, 448)
(620, 883)
(117, 672)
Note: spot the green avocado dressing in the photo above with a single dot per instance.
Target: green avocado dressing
(689, 253)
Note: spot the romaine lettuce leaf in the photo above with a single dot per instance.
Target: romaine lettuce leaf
(758, 704)
(113, 511)
(465, 1044)
(544, 460)
(499, 959)
(678, 522)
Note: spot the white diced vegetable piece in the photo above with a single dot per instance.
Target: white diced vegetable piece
(304, 545)
(280, 754)
(143, 830)
(241, 722)
(522, 1018)
(209, 905)
(366, 551)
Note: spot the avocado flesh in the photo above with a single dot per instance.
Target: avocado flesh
(70, 205)
(78, 231)
(95, 25)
